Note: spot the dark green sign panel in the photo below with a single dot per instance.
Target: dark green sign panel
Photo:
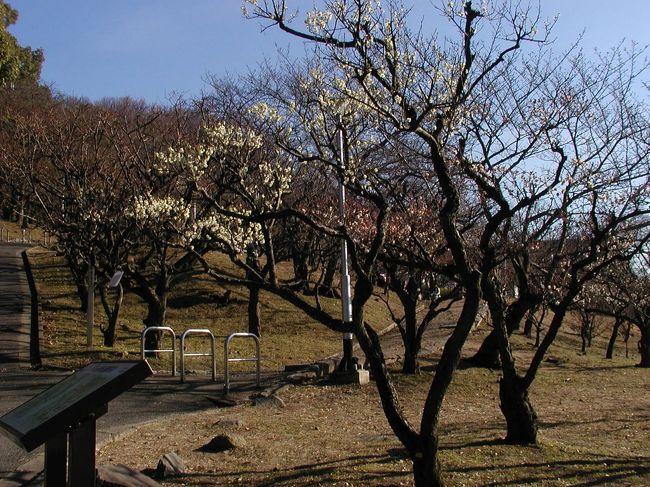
(84, 393)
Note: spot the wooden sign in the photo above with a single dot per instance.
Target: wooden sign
(83, 394)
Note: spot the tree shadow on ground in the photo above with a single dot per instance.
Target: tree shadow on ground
(478, 443)
(49, 302)
(317, 473)
(544, 425)
(189, 300)
(579, 471)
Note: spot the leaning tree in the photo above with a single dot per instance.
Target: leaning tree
(565, 190)
(405, 82)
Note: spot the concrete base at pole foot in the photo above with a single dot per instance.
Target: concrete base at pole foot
(359, 376)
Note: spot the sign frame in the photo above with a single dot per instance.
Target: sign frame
(71, 401)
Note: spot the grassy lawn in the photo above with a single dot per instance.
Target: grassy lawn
(14, 233)
(594, 430)
(288, 336)
(594, 413)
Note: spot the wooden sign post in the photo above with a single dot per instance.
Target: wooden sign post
(64, 418)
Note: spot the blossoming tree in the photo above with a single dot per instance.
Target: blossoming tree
(501, 122)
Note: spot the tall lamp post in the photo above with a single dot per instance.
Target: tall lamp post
(346, 364)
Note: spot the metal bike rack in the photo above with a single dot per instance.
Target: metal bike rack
(227, 360)
(165, 350)
(212, 353)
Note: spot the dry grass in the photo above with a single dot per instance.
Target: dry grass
(594, 430)
(288, 335)
(339, 436)
(595, 414)
(12, 232)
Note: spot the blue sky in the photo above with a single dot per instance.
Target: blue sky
(152, 48)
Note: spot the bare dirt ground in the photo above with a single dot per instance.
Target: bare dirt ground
(594, 413)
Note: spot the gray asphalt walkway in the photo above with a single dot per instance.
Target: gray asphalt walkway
(15, 305)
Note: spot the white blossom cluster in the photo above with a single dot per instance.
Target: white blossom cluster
(261, 180)
(95, 215)
(192, 160)
(266, 112)
(224, 138)
(232, 233)
(275, 178)
(155, 209)
(317, 20)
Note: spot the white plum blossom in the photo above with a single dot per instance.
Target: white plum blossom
(234, 234)
(266, 112)
(244, 7)
(193, 160)
(317, 20)
(155, 209)
(224, 137)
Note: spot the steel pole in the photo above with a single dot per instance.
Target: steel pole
(346, 300)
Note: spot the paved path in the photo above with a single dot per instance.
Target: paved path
(15, 305)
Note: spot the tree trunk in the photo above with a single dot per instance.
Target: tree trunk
(112, 314)
(521, 418)
(82, 294)
(79, 272)
(155, 317)
(626, 339)
(487, 355)
(644, 346)
(411, 352)
(612, 339)
(326, 287)
(412, 343)
(427, 471)
(528, 325)
(253, 275)
(254, 319)
(109, 335)
(300, 269)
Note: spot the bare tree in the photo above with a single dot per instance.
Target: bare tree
(625, 297)
(405, 83)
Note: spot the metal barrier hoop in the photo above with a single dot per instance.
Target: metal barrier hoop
(227, 360)
(160, 350)
(199, 331)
